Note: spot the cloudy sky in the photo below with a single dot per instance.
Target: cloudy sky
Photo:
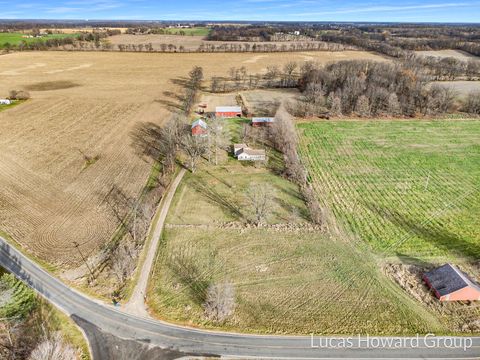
(275, 10)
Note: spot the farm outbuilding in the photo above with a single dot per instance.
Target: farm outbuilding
(5, 102)
(262, 121)
(243, 153)
(199, 128)
(451, 284)
(237, 148)
(228, 111)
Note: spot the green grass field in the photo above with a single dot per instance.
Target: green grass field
(13, 104)
(285, 282)
(16, 38)
(407, 188)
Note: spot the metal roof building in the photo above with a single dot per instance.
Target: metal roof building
(451, 284)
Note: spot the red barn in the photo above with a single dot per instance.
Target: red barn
(228, 111)
(199, 128)
(450, 284)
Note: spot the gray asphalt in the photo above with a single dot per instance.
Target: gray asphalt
(181, 340)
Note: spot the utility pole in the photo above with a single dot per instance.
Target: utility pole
(427, 182)
(77, 246)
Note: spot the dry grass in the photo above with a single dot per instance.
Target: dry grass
(214, 100)
(460, 316)
(48, 199)
(266, 102)
(458, 54)
(463, 88)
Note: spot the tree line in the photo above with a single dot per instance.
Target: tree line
(370, 89)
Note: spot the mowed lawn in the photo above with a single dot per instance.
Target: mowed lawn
(295, 279)
(408, 188)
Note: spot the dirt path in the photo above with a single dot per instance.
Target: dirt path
(136, 304)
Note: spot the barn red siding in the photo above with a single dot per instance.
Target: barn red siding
(198, 130)
(228, 114)
(466, 294)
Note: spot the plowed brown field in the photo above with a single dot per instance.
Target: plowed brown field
(88, 103)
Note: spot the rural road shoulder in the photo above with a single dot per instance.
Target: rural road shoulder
(131, 330)
(183, 340)
(136, 304)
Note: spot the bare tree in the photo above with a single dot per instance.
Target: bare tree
(272, 73)
(193, 85)
(335, 104)
(393, 106)
(170, 139)
(195, 147)
(317, 213)
(362, 106)
(260, 198)
(54, 348)
(219, 136)
(440, 99)
(288, 69)
(215, 84)
(220, 301)
(123, 260)
(472, 103)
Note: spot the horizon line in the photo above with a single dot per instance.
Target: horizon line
(244, 21)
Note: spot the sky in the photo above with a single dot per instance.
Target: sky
(253, 10)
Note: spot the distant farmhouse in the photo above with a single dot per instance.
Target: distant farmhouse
(450, 284)
(243, 153)
(262, 121)
(228, 111)
(199, 128)
(5, 102)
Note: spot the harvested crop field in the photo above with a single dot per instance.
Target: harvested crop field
(408, 188)
(50, 194)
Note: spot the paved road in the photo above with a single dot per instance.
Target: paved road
(185, 340)
(136, 305)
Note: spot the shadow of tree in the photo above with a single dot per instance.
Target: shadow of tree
(169, 104)
(146, 140)
(290, 209)
(220, 180)
(191, 274)
(412, 260)
(218, 199)
(431, 232)
(11, 261)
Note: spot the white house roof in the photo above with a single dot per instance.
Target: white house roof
(252, 152)
(200, 122)
(228, 109)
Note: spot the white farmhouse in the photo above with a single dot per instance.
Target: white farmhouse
(5, 102)
(247, 154)
(237, 148)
